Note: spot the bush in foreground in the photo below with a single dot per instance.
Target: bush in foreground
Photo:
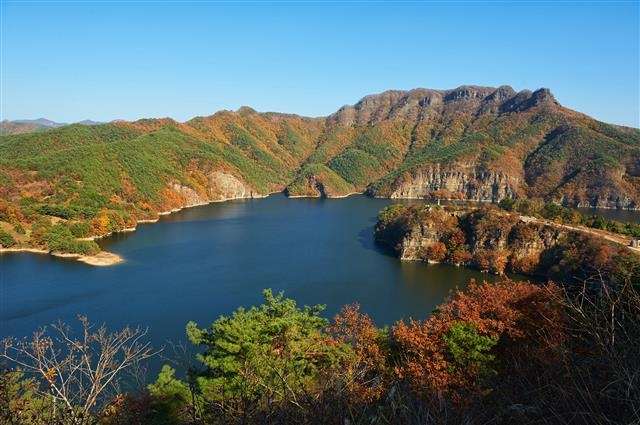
(505, 353)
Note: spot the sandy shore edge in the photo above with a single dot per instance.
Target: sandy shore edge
(103, 258)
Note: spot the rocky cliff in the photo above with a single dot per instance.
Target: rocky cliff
(223, 186)
(461, 182)
(493, 240)
(425, 104)
(219, 186)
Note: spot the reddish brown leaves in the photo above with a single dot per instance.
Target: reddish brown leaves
(365, 372)
(525, 314)
(436, 252)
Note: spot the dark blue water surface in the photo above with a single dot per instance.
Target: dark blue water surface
(206, 261)
(203, 262)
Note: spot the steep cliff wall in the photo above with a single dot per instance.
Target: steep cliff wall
(482, 231)
(464, 181)
(409, 232)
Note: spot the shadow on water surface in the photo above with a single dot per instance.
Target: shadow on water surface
(367, 241)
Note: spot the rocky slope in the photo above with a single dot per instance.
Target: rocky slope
(477, 143)
(488, 143)
(497, 241)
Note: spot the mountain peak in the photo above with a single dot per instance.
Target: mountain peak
(543, 95)
(423, 103)
(41, 121)
(246, 110)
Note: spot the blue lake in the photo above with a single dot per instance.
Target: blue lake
(202, 262)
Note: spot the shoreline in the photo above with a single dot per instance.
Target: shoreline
(325, 197)
(105, 258)
(101, 259)
(490, 201)
(169, 212)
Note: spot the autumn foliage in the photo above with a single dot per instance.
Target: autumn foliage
(518, 312)
(365, 374)
(436, 252)
(557, 358)
(497, 241)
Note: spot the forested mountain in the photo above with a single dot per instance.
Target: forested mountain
(31, 126)
(472, 142)
(27, 126)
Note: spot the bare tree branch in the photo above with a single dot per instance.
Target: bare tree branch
(78, 371)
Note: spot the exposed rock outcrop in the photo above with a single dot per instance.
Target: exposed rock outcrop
(497, 241)
(220, 187)
(418, 104)
(474, 185)
(190, 196)
(226, 186)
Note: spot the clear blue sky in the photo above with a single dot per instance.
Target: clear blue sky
(70, 61)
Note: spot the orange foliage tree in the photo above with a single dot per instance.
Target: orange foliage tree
(494, 261)
(455, 239)
(460, 256)
(519, 316)
(365, 372)
(100, 224)
(436, 252)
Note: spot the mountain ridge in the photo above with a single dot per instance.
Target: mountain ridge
(501, 92)
(471, 142)
(22, 126)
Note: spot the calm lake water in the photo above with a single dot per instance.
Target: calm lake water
(618, 215)
(203, 262)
